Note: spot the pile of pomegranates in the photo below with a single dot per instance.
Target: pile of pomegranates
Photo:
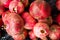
(29, 20)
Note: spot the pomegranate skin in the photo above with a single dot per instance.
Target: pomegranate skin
(54, 32)
(6, 3)
(58, 4)
(20, 36)
(41, 30)
(58, 19)
(31, 35)
(29, 21)
(25, 2)
(48, 20)
(16, 7)
(40, 9)
(14, 23)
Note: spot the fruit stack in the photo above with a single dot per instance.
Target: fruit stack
(29, 20)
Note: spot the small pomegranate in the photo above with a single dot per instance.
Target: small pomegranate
(29, 21)
(16, 7)
(40, 9)
(58, 4)
(54, 32)
(6, 3)
(41, 30)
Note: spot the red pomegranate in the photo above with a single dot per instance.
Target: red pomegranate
(40, 9)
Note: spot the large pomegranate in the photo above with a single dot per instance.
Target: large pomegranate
(40, 9)
(14, 23)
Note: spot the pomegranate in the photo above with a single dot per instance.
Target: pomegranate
(29, 21)
(14, 23)
(58, 4)
(54, 32)
(41, 30)
(40, 9)
(16, 7)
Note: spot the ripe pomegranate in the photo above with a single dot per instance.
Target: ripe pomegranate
(58, 4)
(14, 23)
(58, 19)
(41, 30)
(16, 7)
(6, 3)
(29, 21)
(54, 32)
(40, 9)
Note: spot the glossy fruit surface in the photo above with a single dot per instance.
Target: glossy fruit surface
(41, 30)
(40, 9)
(14, 23)
(29, 21)
(54, 32)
